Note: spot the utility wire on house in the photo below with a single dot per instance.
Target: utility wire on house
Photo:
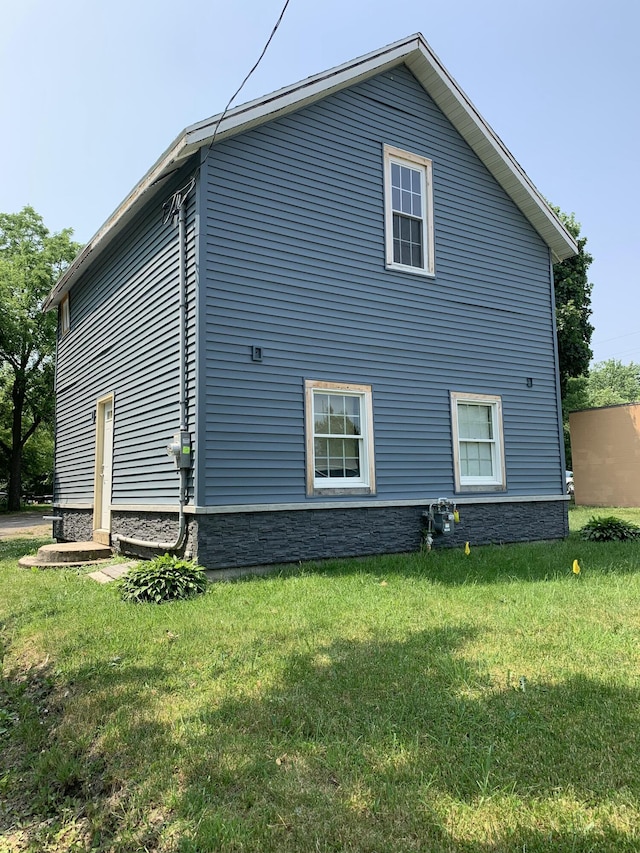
(241, 86)
(172, 205)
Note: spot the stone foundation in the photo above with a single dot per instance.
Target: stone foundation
(228, 540)
(153, 527)
(258, 538)
(76, 525)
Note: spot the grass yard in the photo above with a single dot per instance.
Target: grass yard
(424, 702)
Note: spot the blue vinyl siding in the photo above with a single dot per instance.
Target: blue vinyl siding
(124, 340)
(295, 263)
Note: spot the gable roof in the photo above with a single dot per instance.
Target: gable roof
(415, 53)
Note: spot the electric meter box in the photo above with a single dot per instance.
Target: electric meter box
(180, 449)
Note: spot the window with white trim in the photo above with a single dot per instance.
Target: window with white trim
(408, 212)
(478, 441)
(339, 437)
(64, 315)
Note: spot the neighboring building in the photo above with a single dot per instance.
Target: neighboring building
(605, 447)
(367, 326)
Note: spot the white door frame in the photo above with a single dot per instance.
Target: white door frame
(102, 476)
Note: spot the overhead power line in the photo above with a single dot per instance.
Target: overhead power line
(169, 207)
(257, 62)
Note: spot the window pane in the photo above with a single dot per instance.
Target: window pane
(352, 466)
(395, 198)
(321, 424)
(475, 421)
(336, 447)
(321, 402)
(321, 410)
(321, 453)
(405, 177)
(395, 175)
(336, 403)
(337, 415)
(407, 241)
(343, 459)
(476, 460)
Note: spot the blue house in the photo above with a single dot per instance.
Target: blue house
(314, 316)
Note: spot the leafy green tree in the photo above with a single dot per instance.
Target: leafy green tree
(573, 307)
(612, 382)
(31, 261)
(576, 397)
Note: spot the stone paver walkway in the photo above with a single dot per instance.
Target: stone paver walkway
(111, 573)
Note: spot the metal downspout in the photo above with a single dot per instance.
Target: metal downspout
(182, 347)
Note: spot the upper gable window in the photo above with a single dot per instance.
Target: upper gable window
(64, 315)
(408, 212)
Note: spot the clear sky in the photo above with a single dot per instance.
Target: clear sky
(91, 93)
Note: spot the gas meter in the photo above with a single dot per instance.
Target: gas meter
(441, 518)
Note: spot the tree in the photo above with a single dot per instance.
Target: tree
(612, 382)
(573, 307)
(31, 261)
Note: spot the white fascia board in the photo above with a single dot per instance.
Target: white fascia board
(305, 92)
(426, 67)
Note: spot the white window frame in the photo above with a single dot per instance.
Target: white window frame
(366, 483)
(425, 167)
(476, 483)
(65, 321)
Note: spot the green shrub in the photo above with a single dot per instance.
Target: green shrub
(609, 529)
(163, 579)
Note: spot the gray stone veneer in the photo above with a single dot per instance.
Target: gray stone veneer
(226, 540)
(76, 525)
(154, 527)
(254, 538)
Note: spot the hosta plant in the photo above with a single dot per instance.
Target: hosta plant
(609, 529)
(164, 578)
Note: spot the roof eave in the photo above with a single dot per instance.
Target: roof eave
(164, 166)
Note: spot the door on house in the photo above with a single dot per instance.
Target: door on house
(103, 471)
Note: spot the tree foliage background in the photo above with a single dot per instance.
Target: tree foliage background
(573, 307)
(31, 261)
(573, 324)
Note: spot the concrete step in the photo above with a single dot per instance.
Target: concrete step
(67, 554)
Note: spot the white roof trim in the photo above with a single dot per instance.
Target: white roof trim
(429, 71)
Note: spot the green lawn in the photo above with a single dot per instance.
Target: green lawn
(424, 702)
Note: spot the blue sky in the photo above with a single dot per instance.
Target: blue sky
(92, 94)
